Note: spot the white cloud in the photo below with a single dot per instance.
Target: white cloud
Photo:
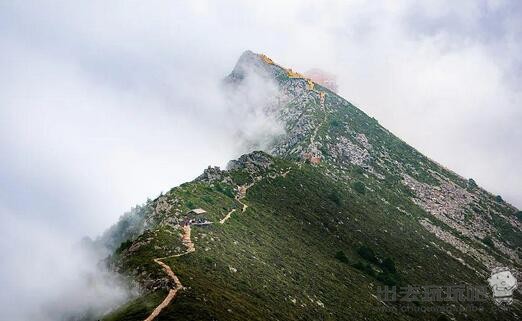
(103, 104)
(47, 279)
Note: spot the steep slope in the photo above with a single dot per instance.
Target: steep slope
(338, 207)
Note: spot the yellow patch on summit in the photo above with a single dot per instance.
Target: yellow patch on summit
(293, 74)
(266, 59)
(310, 84)
(322, 96)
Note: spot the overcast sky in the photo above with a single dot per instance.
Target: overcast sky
(106, 103)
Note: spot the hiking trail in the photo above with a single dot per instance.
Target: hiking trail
(187, 241)
(322, 96)
(241, 193)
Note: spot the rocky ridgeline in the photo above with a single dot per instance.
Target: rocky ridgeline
(345, 151)
(309, 136)
(469, 213)
(480, 255)
(299, 118)
(213, 174)
(305, 112)
(254, 163)
(368, 186)
(315, 133)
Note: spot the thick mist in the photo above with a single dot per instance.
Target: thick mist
(79, 149)
(57, 275)
(105, 104)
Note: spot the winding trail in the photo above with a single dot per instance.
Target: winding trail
(240, 195)
(242, 190)
(187, 241)
(224, 219)
(172, 292)
(322, 95)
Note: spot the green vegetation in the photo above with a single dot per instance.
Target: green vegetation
(341, 256)
(225, 189)
(367, 254)
(281, 249)
(240, 177)
(388, 272)
(472, 185)
(359, 170)
(389, 265)
(137, 309)
(335, 123)
(335, 197)
(488, 241)
(359, 187)
(506, 231)
(313, 243)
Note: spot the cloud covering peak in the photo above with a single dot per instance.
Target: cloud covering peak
(103, 104)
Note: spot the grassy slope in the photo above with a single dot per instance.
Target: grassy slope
(284, 248)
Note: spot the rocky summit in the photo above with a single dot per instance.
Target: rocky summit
(336, 219)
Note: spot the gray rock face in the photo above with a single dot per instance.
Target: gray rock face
(211, 174)
(250, 62)
(314, 130)
(345, 151)
(327, 131)
(255, 162)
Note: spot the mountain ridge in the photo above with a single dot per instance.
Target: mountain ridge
(334, 159)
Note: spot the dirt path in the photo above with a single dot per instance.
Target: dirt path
(172, 292)
(244, 206)
(322, 95)
(241, 193)
(187, 241)
(224, 219)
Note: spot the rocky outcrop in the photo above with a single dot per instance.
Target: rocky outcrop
(254, 163)
(345, 151)
(212, 174)
(250, 62)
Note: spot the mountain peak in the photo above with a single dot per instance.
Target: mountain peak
(250, 61)
(247, 53)
(336, 197)
(245, 61)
